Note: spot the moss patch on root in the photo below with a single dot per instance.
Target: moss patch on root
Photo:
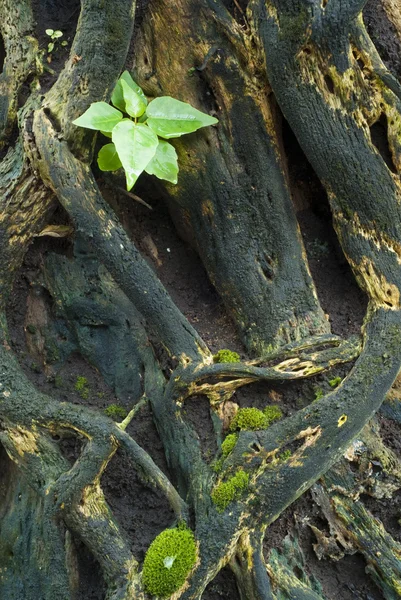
(228, 444)
(82, 387)
(226, 356)
(169, 560)
(227, 491)
(115, 411)
(252, 419)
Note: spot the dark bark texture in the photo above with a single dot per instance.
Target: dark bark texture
(268, 69)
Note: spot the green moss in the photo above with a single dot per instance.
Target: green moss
(114, 411)
(217, 465)
(225, 492)
(168, 562)
(319, 393)
(252, 419)
(228, 445)
(226, 356)
(285, 455)
(82, 387)
(31, 329)
(272, 413)
(335, 382)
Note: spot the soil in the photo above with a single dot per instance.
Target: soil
(141, 511)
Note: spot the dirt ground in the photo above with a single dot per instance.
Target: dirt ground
(142, 512)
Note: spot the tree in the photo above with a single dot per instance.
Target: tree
(314, 62)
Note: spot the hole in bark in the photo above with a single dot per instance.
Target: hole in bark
(2, 54)
(379, 137)
(25, 91)
(292, 446)
(266, 264)
(298, 572)
(70, 447)
(329, 83)
(223, 586)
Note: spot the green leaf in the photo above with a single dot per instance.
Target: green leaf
(106, 133)
(170, 118)
(108, 159)
(136, 146)
(50, 47)
(57, 34)
(134, 104)
(99, 115)
(164, 163)
(117, 96)
(49, 31)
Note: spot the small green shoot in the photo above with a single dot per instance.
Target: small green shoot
(54, 35)
(139, 130)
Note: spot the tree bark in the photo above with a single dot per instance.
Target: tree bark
(316, 64)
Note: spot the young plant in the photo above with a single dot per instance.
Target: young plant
(139, 140)
(54, 35)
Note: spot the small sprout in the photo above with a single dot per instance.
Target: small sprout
(140, 129)
(342, 420)
(54, 35)
(116, 412)
(225, 492)
(226, 356)
(335, 382)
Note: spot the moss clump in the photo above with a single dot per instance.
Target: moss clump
(285, 455)
(253, 418)
(227, 491)
(217, 465)
(114, 411)
(168, 562)
(82, 387)
(226, 356)
(31, 329)
(319, 393)
(335, 382)
(228, 445)
(272, 413)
